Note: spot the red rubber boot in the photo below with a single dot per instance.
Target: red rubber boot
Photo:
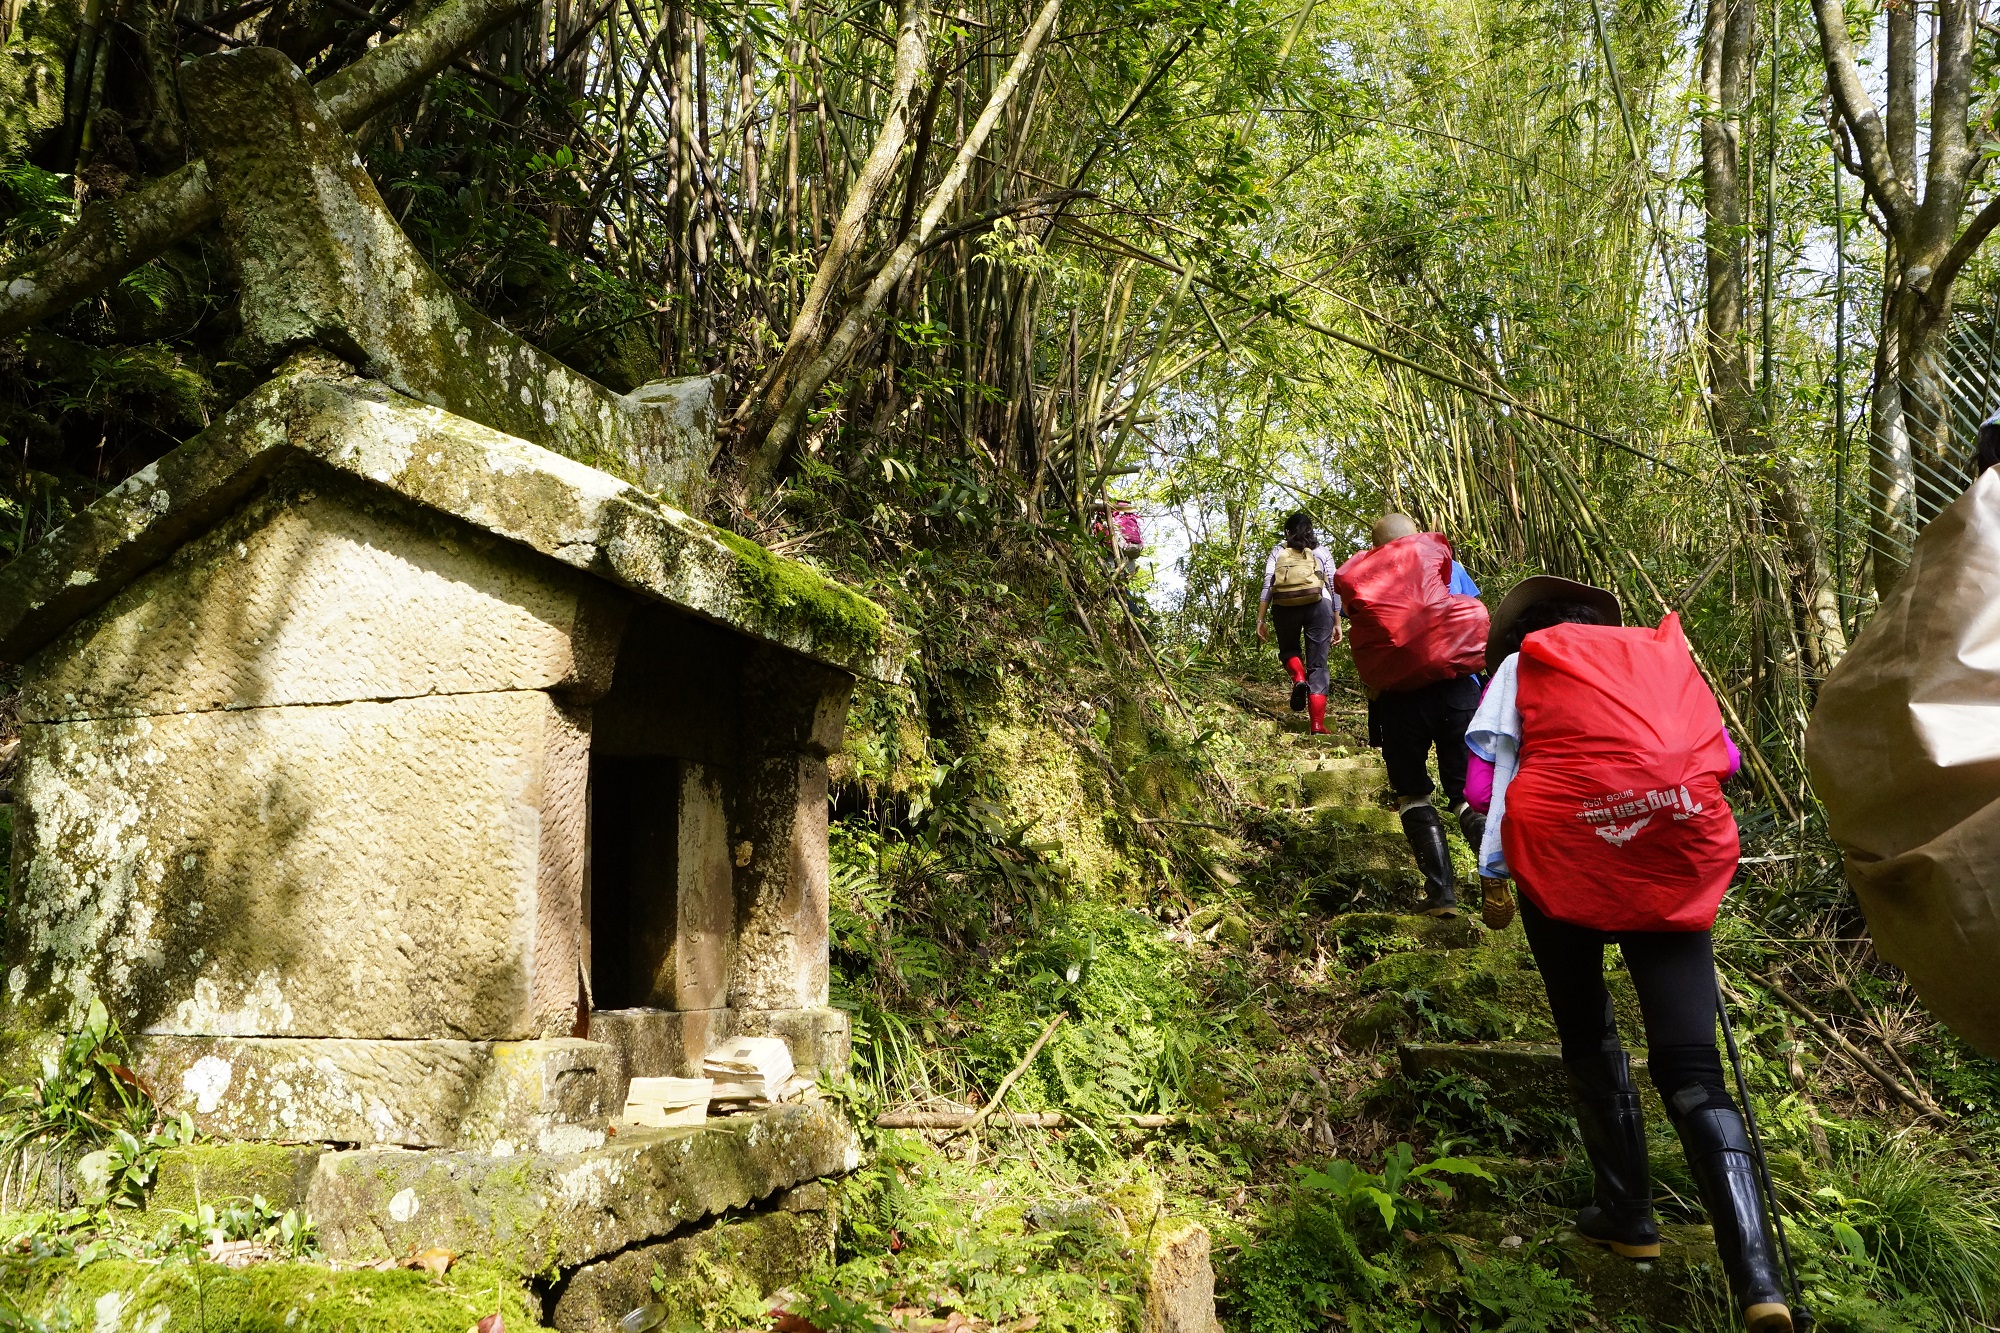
(1298, 670)
(1318, 706)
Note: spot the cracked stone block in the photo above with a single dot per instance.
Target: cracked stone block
(1522, 1077)
(656, 1043)
(1358, 781)
(762, 1253)
(326, 593)
(291, 871)
(821, 1040)
(661, 1043)
(197, 1173)
(548, 1211)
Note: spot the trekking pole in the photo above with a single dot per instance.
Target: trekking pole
(1802, 1320)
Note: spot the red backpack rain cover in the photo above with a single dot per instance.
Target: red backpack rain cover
(1616, 819)
(1409, 628)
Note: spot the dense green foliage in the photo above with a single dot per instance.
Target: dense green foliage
(1224, 259)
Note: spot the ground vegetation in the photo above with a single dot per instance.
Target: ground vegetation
(1580, 285)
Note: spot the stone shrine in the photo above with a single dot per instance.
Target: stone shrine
(397, 781)
(406, 769)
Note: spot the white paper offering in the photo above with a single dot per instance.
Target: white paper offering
(661, 1103)
(750, 1069)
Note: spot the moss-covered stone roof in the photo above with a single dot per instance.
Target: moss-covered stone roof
(315, 410)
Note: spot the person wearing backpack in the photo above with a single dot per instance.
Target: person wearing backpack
(1608, 755)
(1418, 645)
(1298, 596)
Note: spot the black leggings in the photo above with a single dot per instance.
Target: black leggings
(1674, 973)
(1306, 632)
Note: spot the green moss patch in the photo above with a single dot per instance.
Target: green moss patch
(1456, 994)
(200, 1173)
(789, 590)
(173, 1295)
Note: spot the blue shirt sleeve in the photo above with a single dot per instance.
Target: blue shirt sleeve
(1461, 582)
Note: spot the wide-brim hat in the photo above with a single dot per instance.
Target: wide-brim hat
(1546, 588)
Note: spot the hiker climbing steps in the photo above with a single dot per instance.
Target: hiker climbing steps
(1461, 1013)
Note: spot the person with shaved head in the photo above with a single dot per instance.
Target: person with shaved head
(1419, 636)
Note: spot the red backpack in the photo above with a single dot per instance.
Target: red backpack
(1616, 819)
(1409, 628)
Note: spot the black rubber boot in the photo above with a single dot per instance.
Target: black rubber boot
(1472, 826)
(1425, 831)
(1718, 1152)
(1620, 1215)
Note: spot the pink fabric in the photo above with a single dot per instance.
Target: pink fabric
(1478, 782)
(1735, 755)
(1128, 529)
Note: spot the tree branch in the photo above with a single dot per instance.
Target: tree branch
(1969, 240)
(1864, 122)
(115, 236)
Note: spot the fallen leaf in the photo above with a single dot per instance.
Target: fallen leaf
(133, 1080)
(784, 1321)
(436, 1260)
(492, 1323)
(1027, 1322)
(957, 1322)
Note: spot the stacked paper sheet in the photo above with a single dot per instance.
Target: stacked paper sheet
(757, 1070)
(663, 1102)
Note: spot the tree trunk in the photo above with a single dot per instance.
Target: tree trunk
(1728, 47)
(760, 408)
(773, 450)
(1908, 426)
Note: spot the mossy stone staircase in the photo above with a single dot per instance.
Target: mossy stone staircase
(1465, 1009)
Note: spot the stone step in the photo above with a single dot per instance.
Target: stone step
(538, 1211)
(1522, 1077)
(1343, 780)
(1672, 1291)
(1459, 994)
(1488, 992)
(1364, 929)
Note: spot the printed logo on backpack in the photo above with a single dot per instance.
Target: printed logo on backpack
(1616, 819)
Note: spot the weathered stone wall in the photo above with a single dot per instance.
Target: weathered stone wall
(326, 595)
(308, 778)
(309, 709)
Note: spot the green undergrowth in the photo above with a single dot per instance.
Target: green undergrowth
(1032, 1242)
